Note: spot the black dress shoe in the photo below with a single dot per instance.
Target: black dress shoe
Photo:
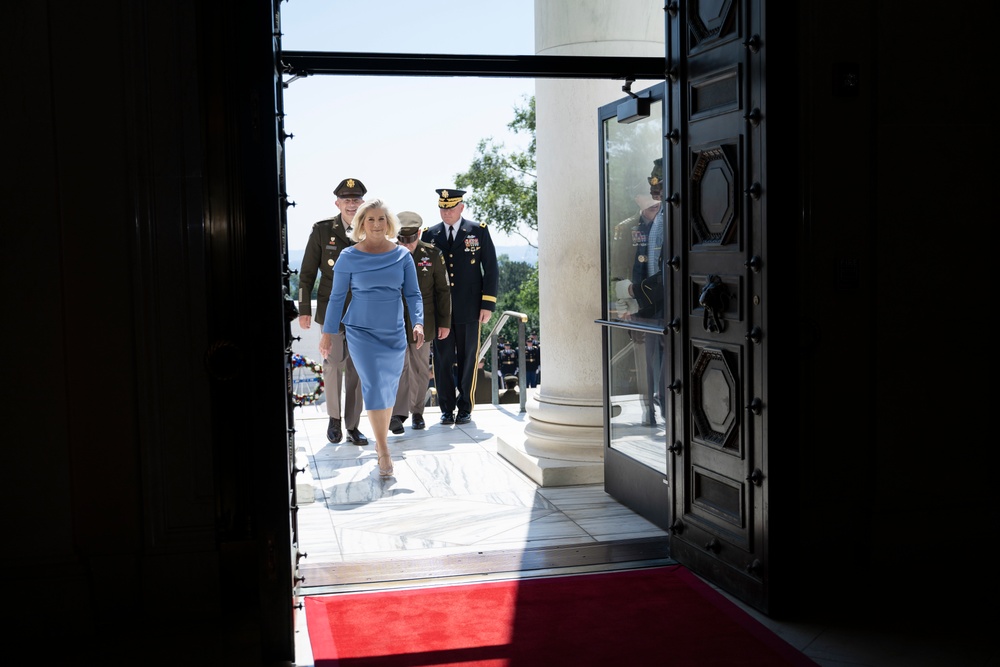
(357, 437)
(418, 422)
(396, 424)
(333, 432)
(463, 417)
(447, 418)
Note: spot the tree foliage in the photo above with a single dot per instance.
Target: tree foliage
(503, 184)
(293, 287)
(503, 191)
(527, 298)
(512, 275)
(518, 282)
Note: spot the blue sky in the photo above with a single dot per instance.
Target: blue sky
(403, 137)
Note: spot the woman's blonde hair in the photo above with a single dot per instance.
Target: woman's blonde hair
(357, 231)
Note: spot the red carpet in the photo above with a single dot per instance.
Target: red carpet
(654, 616)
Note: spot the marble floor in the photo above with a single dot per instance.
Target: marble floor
(451, 494)
(456, 511)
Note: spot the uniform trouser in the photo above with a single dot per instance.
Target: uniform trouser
(412, 392)
(340, 376)
(643, 375)
(654, 372)
(461, 347)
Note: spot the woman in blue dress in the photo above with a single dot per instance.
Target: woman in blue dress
(376, 271)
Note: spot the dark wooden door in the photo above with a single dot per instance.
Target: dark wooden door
(717, 314)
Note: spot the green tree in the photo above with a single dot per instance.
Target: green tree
(512, 274)
(513, 277)
(527, 299)
(503, 192)
(503, 184)
(517, 282)
(293, 287)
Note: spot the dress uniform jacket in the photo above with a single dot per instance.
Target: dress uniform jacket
(640, 241)
(508, 361)
(623, 249)
(326, 240)
(472, 268)
(433, 278)
(532, 358)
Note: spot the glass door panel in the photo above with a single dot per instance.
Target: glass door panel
(637, 427)
(636, 469)
(633, 193)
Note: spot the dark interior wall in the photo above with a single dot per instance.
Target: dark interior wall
(72, 378)
(892, 196)
(932, 224)
(145, 467)
(896, 199)
(832, 287)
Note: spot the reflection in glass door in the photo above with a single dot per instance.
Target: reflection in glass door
(633, 237)
(633, 183)
(637, 426)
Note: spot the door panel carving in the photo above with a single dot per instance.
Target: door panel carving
(715, 399)
(714, 205)
(720, 492)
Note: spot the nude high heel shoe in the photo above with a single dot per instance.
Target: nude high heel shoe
(387, 471)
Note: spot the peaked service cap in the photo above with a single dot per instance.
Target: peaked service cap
(350, 187)
(449, 198)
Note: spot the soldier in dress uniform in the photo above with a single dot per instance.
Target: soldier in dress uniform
(648, 266)
(631, 256)
(629, 251)
(532, 360)
(432, 276)
(473, 274)
(496, 364)
(326, 240)
(507, 361)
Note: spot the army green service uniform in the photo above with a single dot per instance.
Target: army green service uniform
(326, 241)
(433, 278)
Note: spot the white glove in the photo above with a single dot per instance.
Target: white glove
(630, 306)
(626, 304)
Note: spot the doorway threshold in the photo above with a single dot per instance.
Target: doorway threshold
(417, 572)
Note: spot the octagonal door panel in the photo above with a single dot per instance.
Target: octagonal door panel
(719, 499)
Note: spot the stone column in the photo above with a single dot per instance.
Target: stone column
(563, 439)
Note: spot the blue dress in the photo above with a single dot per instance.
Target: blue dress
(376, 334)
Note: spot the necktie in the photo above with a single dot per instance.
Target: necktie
(451, 235)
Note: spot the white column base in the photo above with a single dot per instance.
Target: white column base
(561, 445)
